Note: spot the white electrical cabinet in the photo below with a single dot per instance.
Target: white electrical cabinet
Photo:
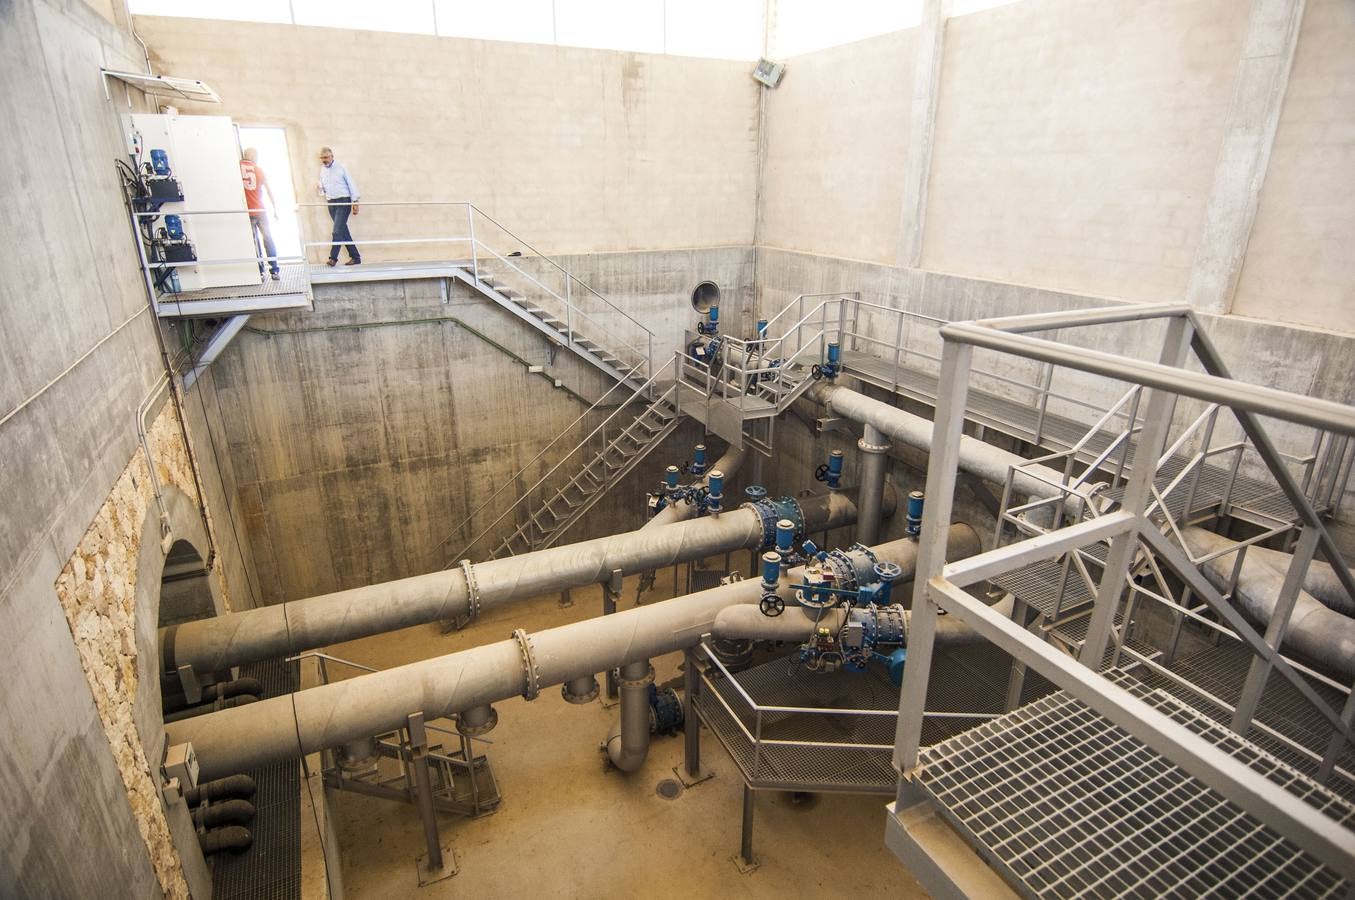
(204, 155)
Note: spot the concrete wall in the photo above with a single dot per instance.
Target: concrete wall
(1299, 266)
(78, 352)
(573, 149)
(354, 452)
(837, 135)
(1074, 149)
(1075, 142)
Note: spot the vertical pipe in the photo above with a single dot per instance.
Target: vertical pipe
(870, 501)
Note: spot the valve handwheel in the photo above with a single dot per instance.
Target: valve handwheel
(816, 371)
(821, 473)
(772, 605)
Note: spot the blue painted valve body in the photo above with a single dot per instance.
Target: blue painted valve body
(915, 503)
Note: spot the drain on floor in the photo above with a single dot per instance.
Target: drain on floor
(668, 789)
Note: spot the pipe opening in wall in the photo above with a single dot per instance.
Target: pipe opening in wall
(706, 295)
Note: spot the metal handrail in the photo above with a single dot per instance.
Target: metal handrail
(475, 243)
(601, 427)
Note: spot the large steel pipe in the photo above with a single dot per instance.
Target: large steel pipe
(1316, 631)
(976, 457)
(240, 739)
(209, 645)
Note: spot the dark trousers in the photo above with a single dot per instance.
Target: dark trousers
(339, 210)
(269, 252)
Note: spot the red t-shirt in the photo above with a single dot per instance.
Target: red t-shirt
(253, 179)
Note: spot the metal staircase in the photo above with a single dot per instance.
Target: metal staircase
(737, 395)
(545, 525)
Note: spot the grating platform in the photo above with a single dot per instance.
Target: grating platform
(1064, 804)
(1221, 671)
(271, 868)
(1246, 495)
(1038, 585)
(293, 291)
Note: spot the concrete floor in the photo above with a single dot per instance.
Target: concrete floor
(569, 826)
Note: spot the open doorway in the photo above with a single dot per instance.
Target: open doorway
(277, 166)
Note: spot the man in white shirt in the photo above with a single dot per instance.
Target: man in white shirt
(341, 193)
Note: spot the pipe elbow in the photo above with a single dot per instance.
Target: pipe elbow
(627, 758)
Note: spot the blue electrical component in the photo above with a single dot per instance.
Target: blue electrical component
(716, 488)
(670, 477)
(174, 228)
(831, 471)
(762, 329)
(771, 570)
(915, 502)
(712, 324)
(832, 365)
(698, 466)
(785, 536)
(160, 162)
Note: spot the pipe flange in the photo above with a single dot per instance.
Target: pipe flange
(476, 730)
(646, 681)
(531, 677)
(866, 447)
(589, 697)
(472, 590)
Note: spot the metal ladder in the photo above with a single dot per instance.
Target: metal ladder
(547, 524)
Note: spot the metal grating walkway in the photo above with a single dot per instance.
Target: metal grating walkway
(1221, 671)
(1065, 804)
(271, 868)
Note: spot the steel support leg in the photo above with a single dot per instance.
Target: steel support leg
(690, 772)
(745, 860)
(433, 866)
(1016, 682)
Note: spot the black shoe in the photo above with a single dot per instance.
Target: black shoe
(276, 276)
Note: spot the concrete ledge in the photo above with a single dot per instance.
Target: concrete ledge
(938, 857)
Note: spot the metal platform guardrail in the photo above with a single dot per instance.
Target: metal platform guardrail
(1120, 729)
(504, 267)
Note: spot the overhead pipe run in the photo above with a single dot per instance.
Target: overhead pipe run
(330, 715)
(976, 457)
(210, 645)
(1319, 633)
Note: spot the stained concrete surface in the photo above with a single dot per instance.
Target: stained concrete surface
(569, 826)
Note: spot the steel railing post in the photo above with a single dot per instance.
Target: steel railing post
(569, 309)
(474, 255)
(956, 360)
(1045, 384)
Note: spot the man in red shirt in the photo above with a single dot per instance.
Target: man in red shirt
(255, 184)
